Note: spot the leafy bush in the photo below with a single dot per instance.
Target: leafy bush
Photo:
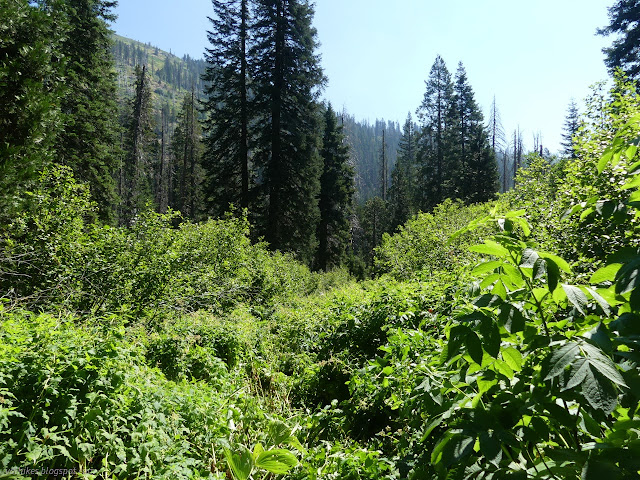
(422, 248)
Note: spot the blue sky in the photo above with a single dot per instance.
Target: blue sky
(533, 56)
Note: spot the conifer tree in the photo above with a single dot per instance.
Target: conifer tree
(336, 195)
(186, 148)
(435, 115)
(226, 127)
(89, 107)
(137, 170)
(31, 81)
(475, 178)
(403, 177)
(624, 53)
(571, 126)
(287, 81)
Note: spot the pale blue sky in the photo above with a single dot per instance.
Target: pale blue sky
(533, 56)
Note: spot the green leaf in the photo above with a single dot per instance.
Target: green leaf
(599, 392)
(560, 262)
(279, 432)
(486, 267)
(628, 277)
(513, 358)
(561, 358)
(529, 258)
(601, 362)
(599, 469)
(633, 183)
(489, 247)
(241, 464)
(604, 160)
(474, 347)
(606, 308)
(605, 274)
(576, 297)
(490, 337)
(512, 318)
(452, 449)
(277, 460)
(503, 368)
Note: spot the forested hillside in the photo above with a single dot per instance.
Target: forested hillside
(266, 288)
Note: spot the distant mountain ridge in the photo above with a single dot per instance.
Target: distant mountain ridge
(173, 77)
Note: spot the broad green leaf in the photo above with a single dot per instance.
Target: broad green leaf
(490, 337)
(474, 347)
(241, 464)
(489, 247)
(279, 432)
(560, 262)
(524, 225)
(489, 279)
(600, 469)
(633, 183)
(486, 267)
(603, 363)
(577, 374)
(490, 447)
(604, 160)
(628, 277)
(500, 290)
(277, 460)
(512, 318)
(529, 258)
(561, 358)
(606, 308)
(503, 368)
(452, 449)
(513, 275)
(576, 297)
(513, 358)
(605, 274)
(599, 392)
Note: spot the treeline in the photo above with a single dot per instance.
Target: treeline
(180, 73)
(257, 141)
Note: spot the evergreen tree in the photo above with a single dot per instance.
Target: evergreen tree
(287, 81)
(475, 179)
(226, 127)
(136, 172)
(403, 184)
(186, 148)
(336, 195)
(384, 169)
(571, 126)
(435, 115)
(624, 53)
(89, 106)
(31, 82)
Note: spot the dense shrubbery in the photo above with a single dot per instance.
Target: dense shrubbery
(422, 247)
(187, 352)
(52, 257)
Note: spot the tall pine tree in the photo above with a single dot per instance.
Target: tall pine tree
(137, 170)
(403, 178)
(87, 142)
(31, 82)
(287, 82)
(186, 149)
(624, 53)
(336, 195)
(435, 113)
(226, 127)
(476, 175)
(571, 126)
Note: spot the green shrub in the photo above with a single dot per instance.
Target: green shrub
(422, 248)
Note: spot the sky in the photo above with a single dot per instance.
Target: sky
(532, 56)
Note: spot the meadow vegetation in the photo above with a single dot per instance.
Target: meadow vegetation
(496, 341)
